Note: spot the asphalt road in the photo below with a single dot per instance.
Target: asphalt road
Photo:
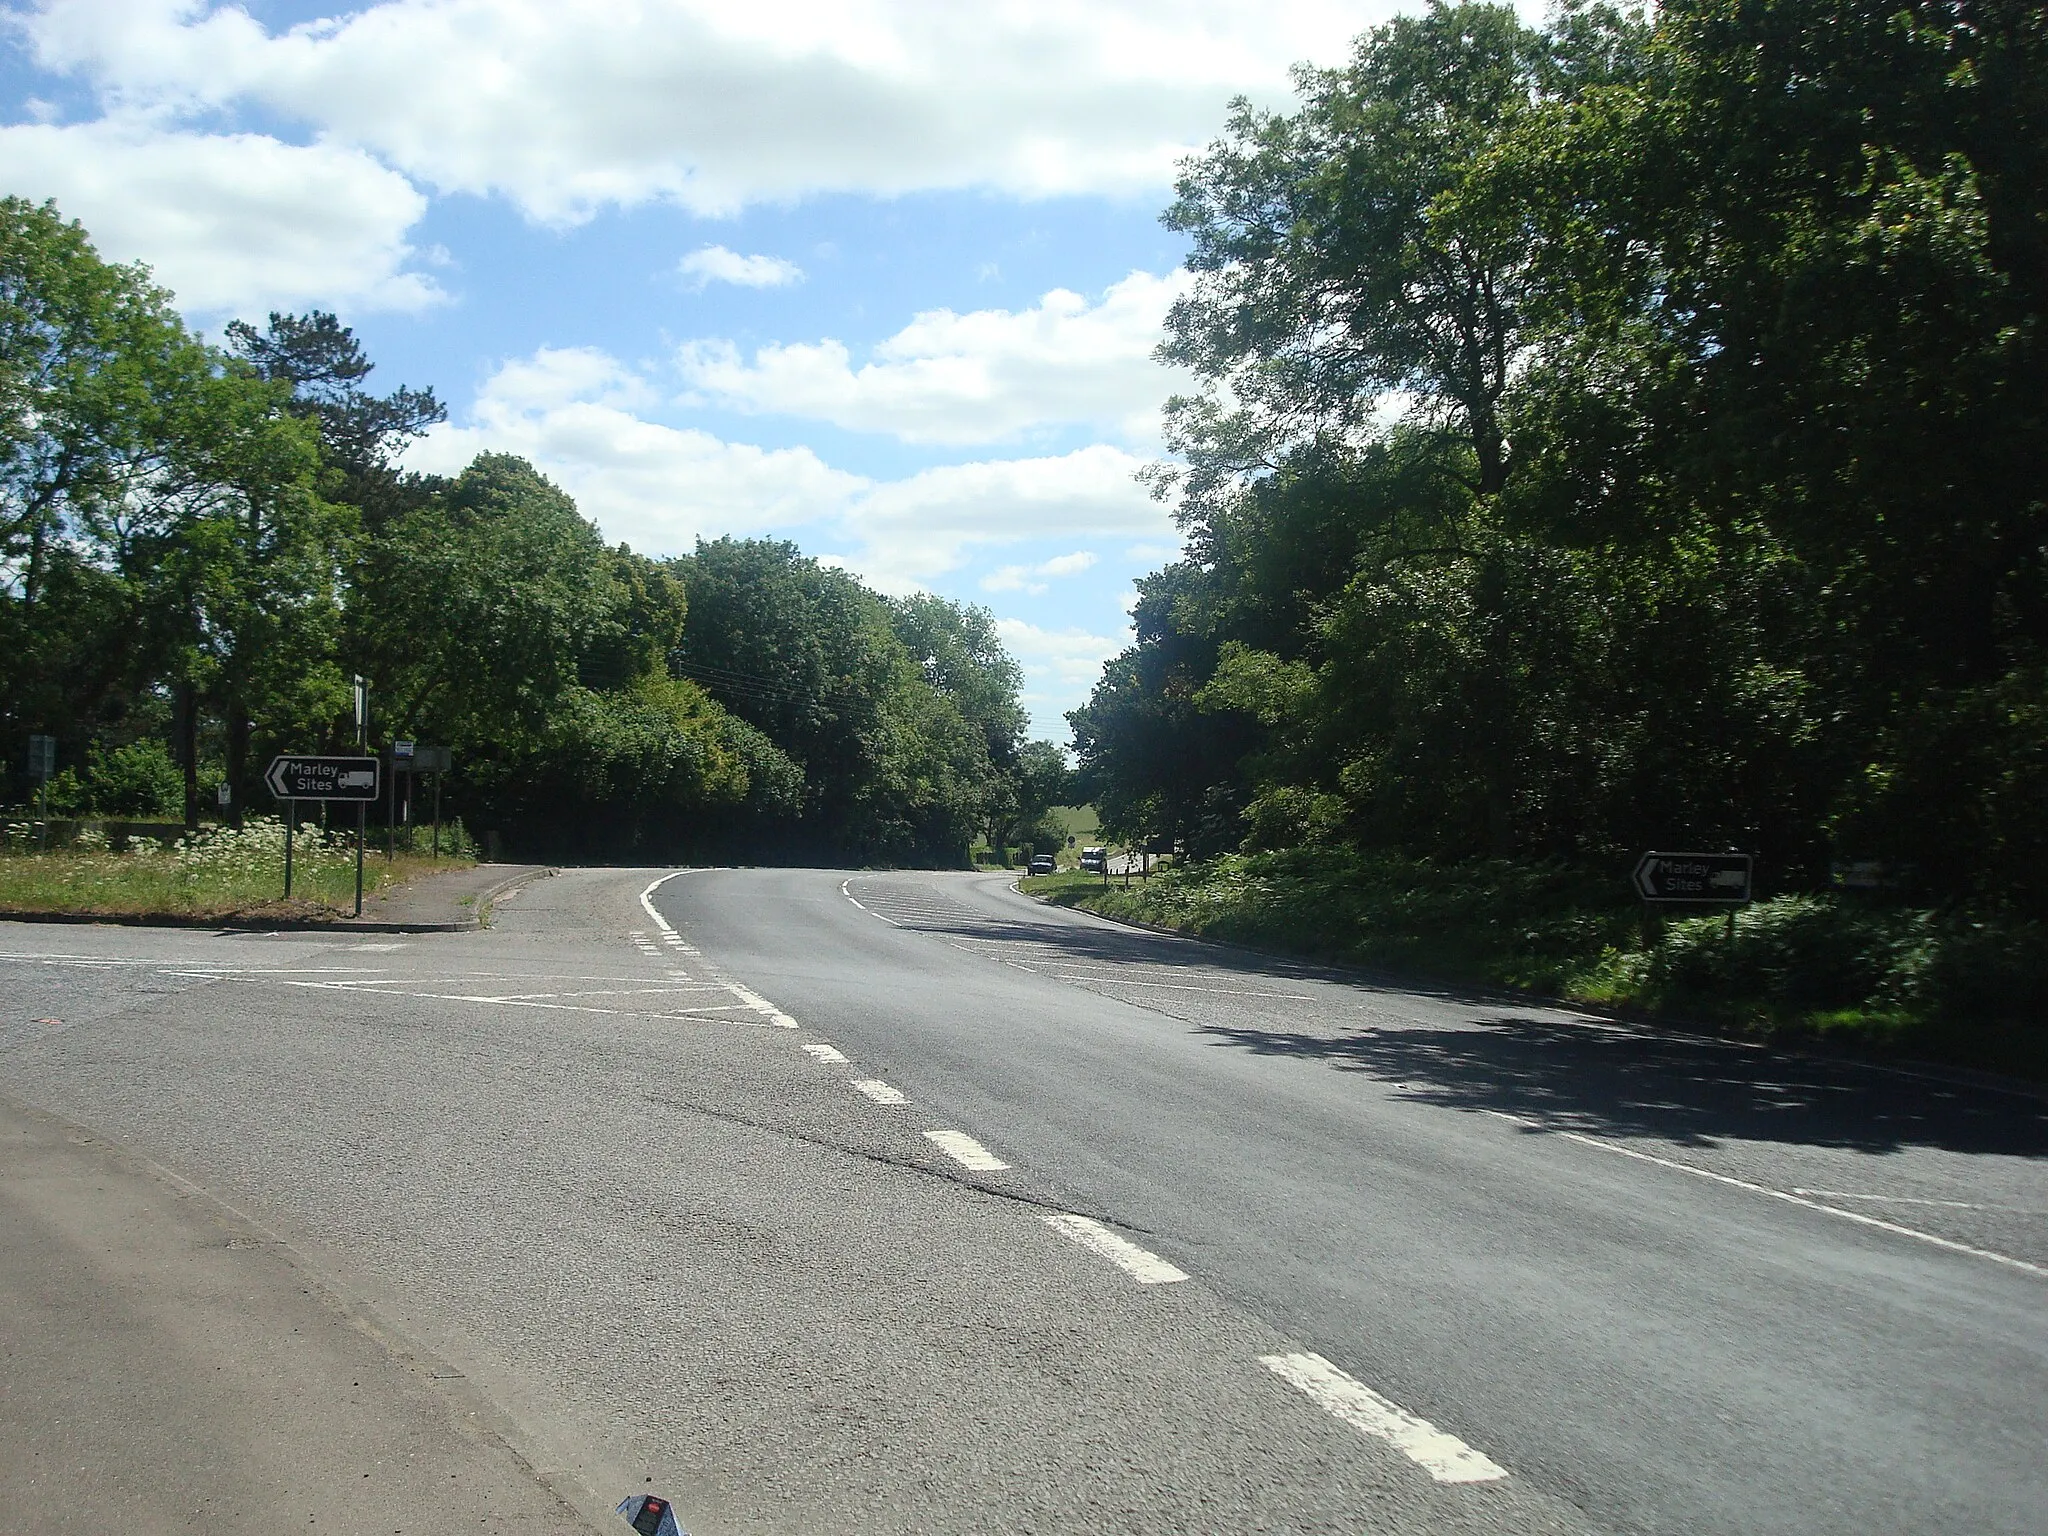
(652, 1199)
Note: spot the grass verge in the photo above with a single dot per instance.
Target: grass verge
(220, 874)
(1965, 988)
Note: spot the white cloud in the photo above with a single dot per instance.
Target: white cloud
(573, 412)
(1070, 659)
(982, 377)
(921, 527)
(1017, 578)
(566, 109)
(659, 488)
(230, 222)
(1153, 554)
(716, 264)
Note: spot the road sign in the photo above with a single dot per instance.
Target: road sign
(1717, 878)
(401, 749)
(323, 778)
(422, 760)
(42, 758)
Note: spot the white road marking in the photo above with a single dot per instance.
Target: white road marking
(761, 1005)
(1141, 1265)
(965, 1151)
(871, 912)
(646, 899)
(878, 1090)
(1954, 1205)
(820, 1051)
(1778, 1194)
(1443, 1456)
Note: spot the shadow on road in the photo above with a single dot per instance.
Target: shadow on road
(1623, 1083)
(1612, 1081)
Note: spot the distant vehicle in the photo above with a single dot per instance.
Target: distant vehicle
(1095, 860)
(1041, 864)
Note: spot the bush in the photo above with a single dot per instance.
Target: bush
(138, 780)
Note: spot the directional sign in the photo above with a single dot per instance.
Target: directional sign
(1721, 878)
(322, 778)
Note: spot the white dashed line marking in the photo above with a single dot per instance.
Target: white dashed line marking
(761, 1005)
(1444, 1457)
(965, 1151)
(820, 1051)
(878, 1090)
(1145, 1267)
(1777, 1194)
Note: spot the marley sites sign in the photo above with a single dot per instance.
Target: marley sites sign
(323, 778)
(1720, 878)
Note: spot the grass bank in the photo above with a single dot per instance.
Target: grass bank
(218, 873)
(1833, 971)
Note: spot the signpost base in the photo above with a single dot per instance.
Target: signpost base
(359, 858)
(291, 828)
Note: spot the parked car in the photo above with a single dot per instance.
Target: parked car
(1095, 860)
(1041, 864)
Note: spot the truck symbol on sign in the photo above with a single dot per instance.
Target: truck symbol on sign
(362, 778)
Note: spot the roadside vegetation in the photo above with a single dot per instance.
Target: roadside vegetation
(200, 545)
(1616, 435)
(217, 872)
(1870, 977)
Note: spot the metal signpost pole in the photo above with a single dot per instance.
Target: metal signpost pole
(291, 826)
(362, 741)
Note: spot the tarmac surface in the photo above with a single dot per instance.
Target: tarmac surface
(823, 1201)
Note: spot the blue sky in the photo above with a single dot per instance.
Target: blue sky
(880, 276)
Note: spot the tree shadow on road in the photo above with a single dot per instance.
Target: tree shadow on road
(1623, 1083)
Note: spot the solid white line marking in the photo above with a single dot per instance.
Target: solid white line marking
(871, 912)
(1953, 1205)
(822, 1052)
(1145, 1267)
(1778, 1194)
(878, 1090)
(1444, 1457)
(761, 1005)
(965, 1150)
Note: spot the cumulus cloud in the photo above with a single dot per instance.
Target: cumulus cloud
(234, 222)
(921, 527)
(566, 109)
(716, 264)
(657, 487)
(575, 413)
(1018, 578)
(1058, 664)
(986, 376)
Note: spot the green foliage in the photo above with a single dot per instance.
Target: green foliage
(1618, 434)
(138, 781)
(199, 547)
(1970, 987)
(217, 871)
